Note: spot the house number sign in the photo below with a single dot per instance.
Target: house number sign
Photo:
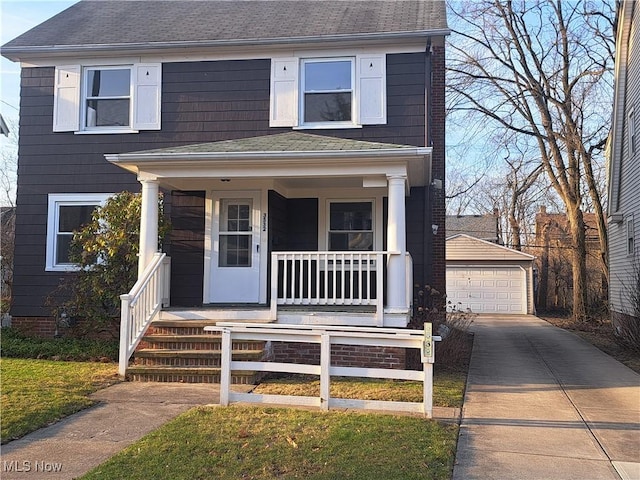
(427, 343)
(264, 222)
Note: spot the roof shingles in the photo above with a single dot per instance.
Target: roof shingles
(135, 22)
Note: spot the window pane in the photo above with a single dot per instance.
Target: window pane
(62, 248)
(351, 216)
(323, 76)
(235, 251)
(109, 83)
(107, 113)
(72, 217)
(327, 107)
(351, 241)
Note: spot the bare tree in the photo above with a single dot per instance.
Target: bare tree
(540, 70)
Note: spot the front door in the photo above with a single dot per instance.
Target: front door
(235, 262)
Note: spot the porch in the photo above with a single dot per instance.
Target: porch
(296, 228)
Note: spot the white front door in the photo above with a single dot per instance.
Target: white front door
(235, 253)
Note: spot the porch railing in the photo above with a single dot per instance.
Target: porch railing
(140, 306)
(328, 278)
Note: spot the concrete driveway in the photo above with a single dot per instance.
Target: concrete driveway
(541, 403)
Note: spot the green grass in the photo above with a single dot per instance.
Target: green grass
(36, 393)
(241, 442)
(448, 388)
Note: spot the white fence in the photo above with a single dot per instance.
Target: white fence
(327, 336)
(140, 306)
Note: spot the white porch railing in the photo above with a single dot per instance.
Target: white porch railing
(327, 336)
(140, 306)
(328, 278)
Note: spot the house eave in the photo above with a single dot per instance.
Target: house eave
(412, 162)
(20, 53)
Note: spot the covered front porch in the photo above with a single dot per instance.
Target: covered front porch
(297, 228)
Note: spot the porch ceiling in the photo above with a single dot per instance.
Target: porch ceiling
(295, 158)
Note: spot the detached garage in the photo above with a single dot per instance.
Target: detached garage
(488, 278)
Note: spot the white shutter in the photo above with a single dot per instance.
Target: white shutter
(283, 109)
(66, 99)
(372, 89)
(147, 82)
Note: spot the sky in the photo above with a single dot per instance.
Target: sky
(16, 17)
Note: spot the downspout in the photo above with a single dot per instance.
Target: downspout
(427, 233)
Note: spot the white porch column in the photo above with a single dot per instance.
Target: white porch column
(396, 242)
(148, 223)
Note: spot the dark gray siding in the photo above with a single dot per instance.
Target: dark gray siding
(201, 102)
(187, 248)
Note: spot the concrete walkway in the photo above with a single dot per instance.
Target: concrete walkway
(541, 403)
(126, 412)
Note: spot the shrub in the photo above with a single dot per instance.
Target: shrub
(452, 324)
(14, 344)
(106, 250)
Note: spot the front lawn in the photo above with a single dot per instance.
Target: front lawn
(36, 393)
(241, 442)
(448, 388)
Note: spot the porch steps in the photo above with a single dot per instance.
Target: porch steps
(181, 351)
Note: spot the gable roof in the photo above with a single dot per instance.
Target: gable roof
(100, 25)
(465, 247)
(479, 226)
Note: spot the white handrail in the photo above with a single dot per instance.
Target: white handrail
(140, 306)
(328, 278)
(326, 336)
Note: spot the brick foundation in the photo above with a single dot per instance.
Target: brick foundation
(36, 326)
(341, 355)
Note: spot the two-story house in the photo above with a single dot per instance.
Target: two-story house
(297, 143)
(624, 174)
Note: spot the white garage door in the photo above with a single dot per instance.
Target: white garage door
(487, 289)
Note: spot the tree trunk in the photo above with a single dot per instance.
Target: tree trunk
(579, 264)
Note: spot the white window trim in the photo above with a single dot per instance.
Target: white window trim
(630, 234)
(57, 200)
(70, 97)
(84, 128)
(369, 91)
(324, 218)
(303, 90)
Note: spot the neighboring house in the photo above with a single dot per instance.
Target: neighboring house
(300, 145)
(484, 227)
(624, 172)
(552, 248)
(484, 277)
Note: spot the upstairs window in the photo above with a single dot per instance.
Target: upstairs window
(327, 87)
(322, 92)
(107, 98)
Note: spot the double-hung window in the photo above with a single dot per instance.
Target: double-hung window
(351, 226)
(67, 213)
(328, 92)
(107, 97)
(327, 89)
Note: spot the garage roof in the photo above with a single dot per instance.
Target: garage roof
(465, 247)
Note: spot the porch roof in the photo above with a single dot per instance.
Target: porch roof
(290, 154)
